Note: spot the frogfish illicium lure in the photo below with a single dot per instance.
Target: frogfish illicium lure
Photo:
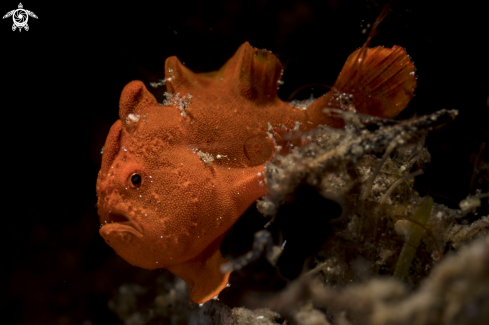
(175, 177)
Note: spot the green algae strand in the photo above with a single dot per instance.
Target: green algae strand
(414, 236)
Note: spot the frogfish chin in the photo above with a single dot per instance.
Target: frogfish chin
(176, 176)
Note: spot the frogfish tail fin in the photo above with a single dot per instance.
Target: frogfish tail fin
(362, 52)
(381, 85)
(384, 84)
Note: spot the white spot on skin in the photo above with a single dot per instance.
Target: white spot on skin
(132, 118)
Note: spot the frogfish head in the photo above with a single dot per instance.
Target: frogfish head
(159, 203)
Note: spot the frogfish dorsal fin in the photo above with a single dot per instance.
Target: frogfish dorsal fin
(382, 85)
(255, 72)
(251, 73)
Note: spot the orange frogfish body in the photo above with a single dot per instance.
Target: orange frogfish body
(176, 177)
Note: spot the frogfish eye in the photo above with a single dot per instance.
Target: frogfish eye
(136, 179)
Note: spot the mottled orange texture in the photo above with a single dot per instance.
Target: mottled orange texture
(177, 216)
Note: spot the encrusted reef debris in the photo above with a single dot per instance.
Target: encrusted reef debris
(392, 256)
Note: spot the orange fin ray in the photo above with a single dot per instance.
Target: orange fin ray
(382, 85)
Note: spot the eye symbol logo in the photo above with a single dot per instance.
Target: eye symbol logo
(20, 17)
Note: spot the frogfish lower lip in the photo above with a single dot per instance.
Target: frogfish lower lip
(115, 222)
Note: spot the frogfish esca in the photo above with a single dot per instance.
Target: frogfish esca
(175, 177)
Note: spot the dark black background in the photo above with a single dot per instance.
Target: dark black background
(60, 88)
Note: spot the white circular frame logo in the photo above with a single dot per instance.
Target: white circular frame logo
(20, 16)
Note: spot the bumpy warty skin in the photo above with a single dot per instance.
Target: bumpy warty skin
(176, 217)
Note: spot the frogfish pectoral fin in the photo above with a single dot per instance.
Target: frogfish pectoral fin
(380, 80)
(203, 274)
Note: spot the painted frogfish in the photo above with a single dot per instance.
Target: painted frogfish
(176, 176)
